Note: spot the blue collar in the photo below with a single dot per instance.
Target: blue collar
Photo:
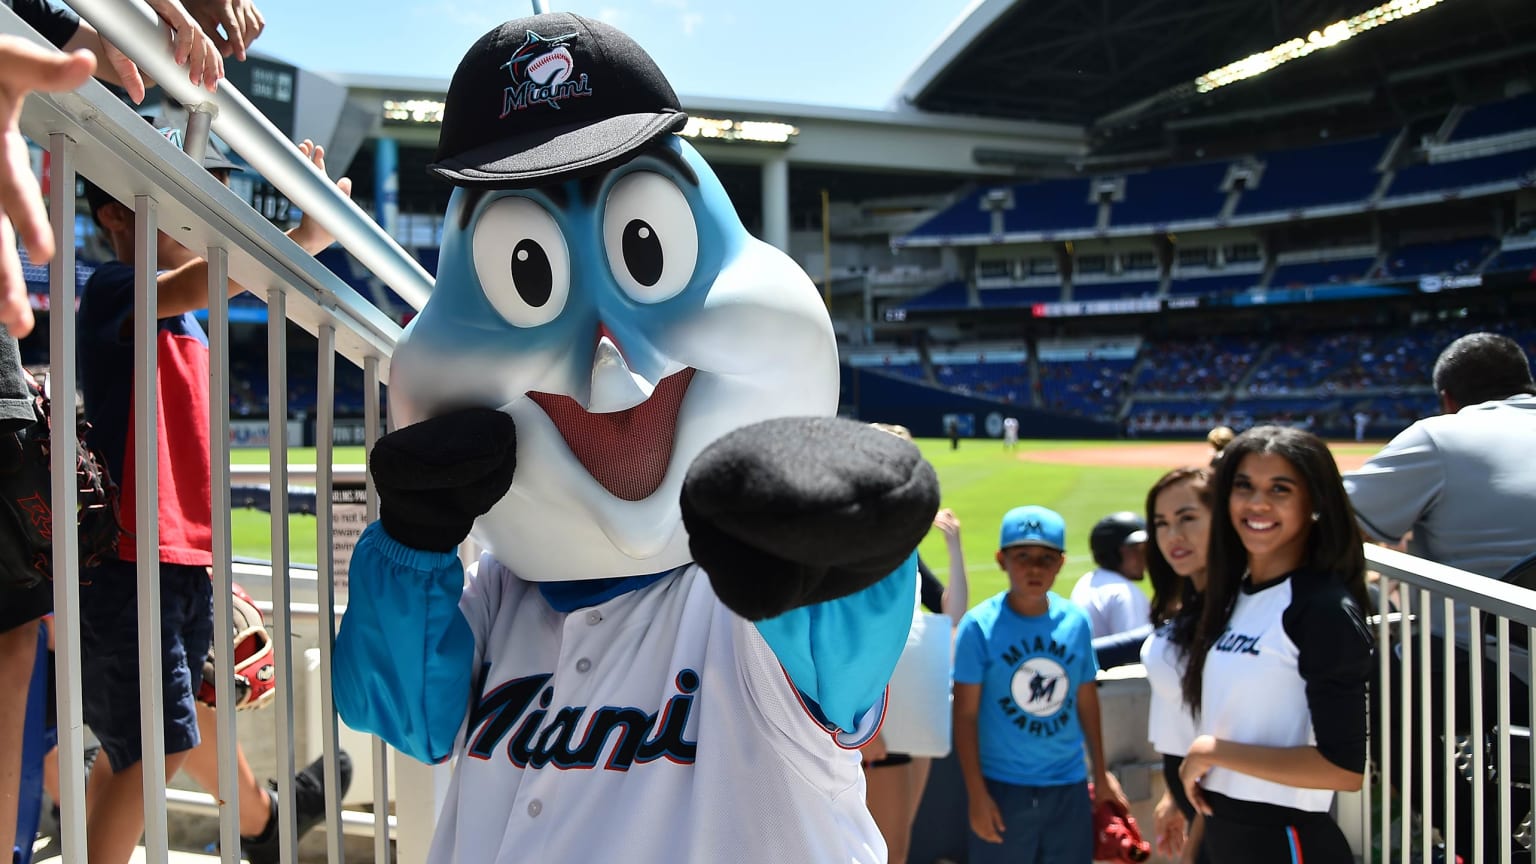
(570, 596)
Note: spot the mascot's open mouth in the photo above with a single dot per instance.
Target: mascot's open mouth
(628, 451)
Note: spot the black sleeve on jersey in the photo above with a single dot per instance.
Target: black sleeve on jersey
(52, 21)
(1121, 649)
(1334, 647)
(932, 590)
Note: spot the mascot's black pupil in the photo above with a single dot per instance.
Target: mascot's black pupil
(642, 252)
(531, 274)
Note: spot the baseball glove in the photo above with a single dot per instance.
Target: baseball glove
(255, 670)
(26, 502)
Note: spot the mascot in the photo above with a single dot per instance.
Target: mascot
(696, 582)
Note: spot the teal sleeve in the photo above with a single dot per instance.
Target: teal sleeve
(405, 655)
(1087, 659)
(840, 654)
(970, 652)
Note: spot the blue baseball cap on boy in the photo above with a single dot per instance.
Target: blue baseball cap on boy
(1033, 526)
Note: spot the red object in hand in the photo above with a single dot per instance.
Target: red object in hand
(1115, 835)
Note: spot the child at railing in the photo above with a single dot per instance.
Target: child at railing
(108, 594)
(1278, 666)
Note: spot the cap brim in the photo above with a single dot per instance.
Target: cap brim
(1133, 538)
(561, 153)
(1041, 543)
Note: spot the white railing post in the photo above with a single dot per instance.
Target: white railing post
(223, 577)
(66, 546)
(146, 499)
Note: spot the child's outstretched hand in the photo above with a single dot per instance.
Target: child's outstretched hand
(310, 236)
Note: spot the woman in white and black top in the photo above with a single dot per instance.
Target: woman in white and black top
(1179, 511)
(1280, 659)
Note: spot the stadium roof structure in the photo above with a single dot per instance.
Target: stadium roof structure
(1126, 69)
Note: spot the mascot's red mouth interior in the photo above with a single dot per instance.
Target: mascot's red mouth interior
(626, 451)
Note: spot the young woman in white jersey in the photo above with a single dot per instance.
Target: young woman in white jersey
(1179, 511)
(1280, 658)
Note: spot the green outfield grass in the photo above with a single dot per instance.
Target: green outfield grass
(980, 482)
(251, 530)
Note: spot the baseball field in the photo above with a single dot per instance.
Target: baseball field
(1082, 480)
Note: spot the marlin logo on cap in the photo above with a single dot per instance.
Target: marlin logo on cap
(541, 72)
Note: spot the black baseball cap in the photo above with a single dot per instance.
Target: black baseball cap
(547, 98)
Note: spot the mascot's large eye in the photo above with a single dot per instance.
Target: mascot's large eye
(651, 237)
(522, 261)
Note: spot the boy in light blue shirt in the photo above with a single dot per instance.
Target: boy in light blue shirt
(1027, 708)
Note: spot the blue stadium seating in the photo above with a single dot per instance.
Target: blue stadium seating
(427, 255)
(1321, 272)
(964, 217)
(1448, 176)
(1114, 290)
(1335, 173)
(950, 295)
(904, 370)
(1171, 194)
(1496, 118)
(996, 298)
(1008, 381)
(1093, 388)
(1221, 284)
(1054, 205)
(1519, 259)
(1456, 256)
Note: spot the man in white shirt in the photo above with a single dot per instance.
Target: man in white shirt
(1109, 593)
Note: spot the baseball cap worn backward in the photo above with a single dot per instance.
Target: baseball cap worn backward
(1033, 526)
(548, 98)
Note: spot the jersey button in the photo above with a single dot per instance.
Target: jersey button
(535, 807)
(583, 665)
(594, 617)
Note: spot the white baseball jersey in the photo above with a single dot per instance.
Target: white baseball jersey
(655, 727)
(1290, 670)
(1114, 604)
(1170, 723)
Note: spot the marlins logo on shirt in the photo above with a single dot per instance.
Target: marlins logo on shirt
(1040, 688)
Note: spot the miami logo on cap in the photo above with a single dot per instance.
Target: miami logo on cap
(541, 71)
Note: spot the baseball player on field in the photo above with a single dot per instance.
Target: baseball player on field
(697, 582)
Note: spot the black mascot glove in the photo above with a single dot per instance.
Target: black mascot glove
(435, 477)
(790, 512)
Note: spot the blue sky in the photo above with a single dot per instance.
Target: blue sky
(851, 53)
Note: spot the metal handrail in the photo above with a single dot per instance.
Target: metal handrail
(91, 131)
(138, 34)
(1489, 595)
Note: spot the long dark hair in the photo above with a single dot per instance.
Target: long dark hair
(1174, 597)
(1334, 542)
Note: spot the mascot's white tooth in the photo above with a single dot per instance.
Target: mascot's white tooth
(614, 386)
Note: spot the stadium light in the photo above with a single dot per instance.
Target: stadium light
(757, 131)
(1317, 40)
(414, 110)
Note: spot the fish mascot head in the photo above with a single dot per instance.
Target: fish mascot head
(596, 284)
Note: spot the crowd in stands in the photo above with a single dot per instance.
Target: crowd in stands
(1093, 388)
(1329, 381)
(1208, 366)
